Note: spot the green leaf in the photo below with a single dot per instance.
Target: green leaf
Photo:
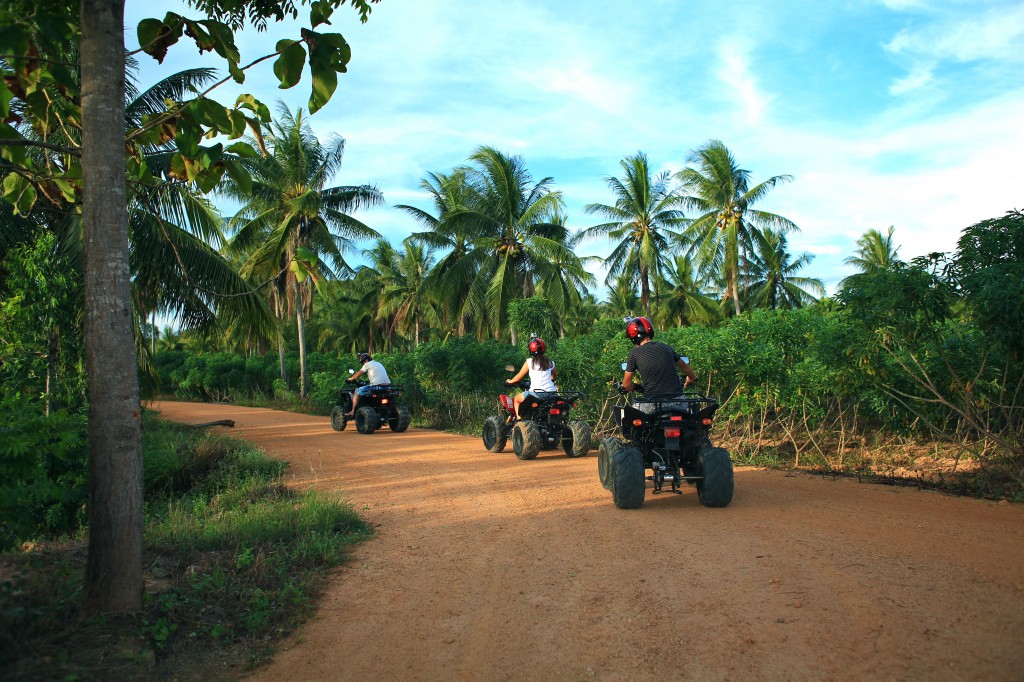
(304, 253)
(237, 124)
(14, 40)
(66, 189)
(238, 173)
(19, 192)
(288, 66)
(320, 13)
(210, 177)
(255, 106)
(212, 114)
(300, 272)
(242, 149)
(5, 99)
(236, 73)
(155, 36)
(16, 155)
(329, 54)
(223, 40)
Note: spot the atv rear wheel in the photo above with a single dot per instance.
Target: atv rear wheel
(605, 453)
(716, 487)
(338, 420)
(628, 483)
(576, 438)
(526, 440)
(366, 420)
(494, 434)
(400, 422)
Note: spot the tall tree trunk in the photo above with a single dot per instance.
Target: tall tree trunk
(280, 360)
(645, 292)
(113, 575)
(735, 293)
(51, 372)
(278, 308)
(300, 323)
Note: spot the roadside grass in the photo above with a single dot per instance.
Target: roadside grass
(234, 561)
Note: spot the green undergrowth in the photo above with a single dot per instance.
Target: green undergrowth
(234, 559)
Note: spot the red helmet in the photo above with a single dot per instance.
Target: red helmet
(537, 346)
(363, 357)
(638, 329)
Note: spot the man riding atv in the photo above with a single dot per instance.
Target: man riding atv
(376, 375)
(656, 362)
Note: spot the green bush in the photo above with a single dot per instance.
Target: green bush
(45, 466)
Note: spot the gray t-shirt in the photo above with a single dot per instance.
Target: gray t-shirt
(656, 362)
(375, 373)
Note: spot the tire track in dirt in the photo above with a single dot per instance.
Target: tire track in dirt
(485, 567)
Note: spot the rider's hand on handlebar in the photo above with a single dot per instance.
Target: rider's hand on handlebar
(689, 381)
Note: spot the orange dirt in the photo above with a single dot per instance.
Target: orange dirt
(485, 567)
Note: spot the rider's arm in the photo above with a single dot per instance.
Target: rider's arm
(627, 381)
(691, 376)
(522, 373)
(356, 375)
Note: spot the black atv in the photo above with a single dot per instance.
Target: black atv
(672, 440)
(376, 409)
(543, 424)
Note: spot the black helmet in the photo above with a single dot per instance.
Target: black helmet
(363, 358)
(638, 329)
(537, 346)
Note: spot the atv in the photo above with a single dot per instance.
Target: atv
(543, 424)
(377, 408)
(672, 439)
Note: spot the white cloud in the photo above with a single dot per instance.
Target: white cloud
(919, 76)
(741, 85)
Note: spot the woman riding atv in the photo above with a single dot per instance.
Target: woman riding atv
(541, 370)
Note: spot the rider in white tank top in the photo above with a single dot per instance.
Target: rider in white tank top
(540, 379)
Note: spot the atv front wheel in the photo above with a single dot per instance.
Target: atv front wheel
(605, 453)
(526, 440)
(401, 422)
(366, 420)
(338, 420)
(628, 481)
(576, 438)
(494, 434)
(716, 487)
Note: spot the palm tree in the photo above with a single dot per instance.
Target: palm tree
(403, 303)
(775, 284)
(502, 234)
(875, 252)
(565, 286)
(516, 235)
(643, 219)
(719, 191)
(450, 279)
(293, 228)
(622, 298)
(683, 301)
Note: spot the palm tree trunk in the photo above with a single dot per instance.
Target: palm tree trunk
(113, 574)
(51, 372)
(300, 321)
(736, 292)
(645, 292)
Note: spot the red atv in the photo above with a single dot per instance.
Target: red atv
(543, 424)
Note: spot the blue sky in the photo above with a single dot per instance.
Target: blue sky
(887, 112)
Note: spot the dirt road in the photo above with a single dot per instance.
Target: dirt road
(485, 567)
